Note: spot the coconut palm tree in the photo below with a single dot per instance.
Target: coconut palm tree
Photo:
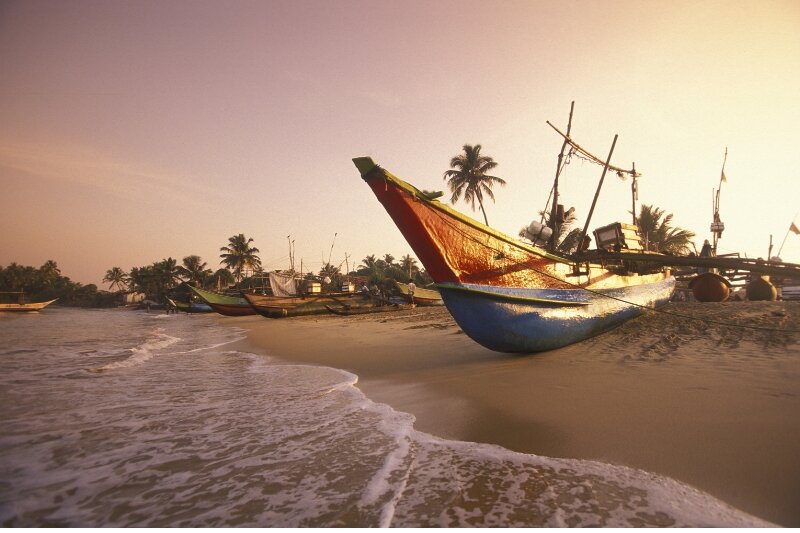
(567, 238)
(372, 268)
(656, 229)
(166, 273)
(409, 266)
(116, 278)
(194, 270)
(222, 277)
(369, 261)
(49, 273)
(239, 255)
(469, 176)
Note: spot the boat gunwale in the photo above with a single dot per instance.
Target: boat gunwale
(378, 172)
(513, 297)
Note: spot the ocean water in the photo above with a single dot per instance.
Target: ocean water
(124, 418)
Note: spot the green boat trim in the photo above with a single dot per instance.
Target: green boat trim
(217, 298)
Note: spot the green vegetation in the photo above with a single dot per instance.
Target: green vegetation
(468, 176)
(659, 234)
(380, 270)
(46, 283)
(194, 271)
(160, 278)
(238, 255)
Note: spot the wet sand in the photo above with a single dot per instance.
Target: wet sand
(711, 405)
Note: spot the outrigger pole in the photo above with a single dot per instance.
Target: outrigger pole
(597, 193)
(759, 266)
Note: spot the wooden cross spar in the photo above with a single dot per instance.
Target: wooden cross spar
(588, 155)
(758, 266)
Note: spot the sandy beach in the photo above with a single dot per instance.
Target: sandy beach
(712, 405)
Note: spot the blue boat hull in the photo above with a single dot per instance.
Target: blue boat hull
(518, 320)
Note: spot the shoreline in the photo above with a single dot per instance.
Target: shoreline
(712, 406)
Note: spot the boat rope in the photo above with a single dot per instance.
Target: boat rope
(584, 154)
(496, 252)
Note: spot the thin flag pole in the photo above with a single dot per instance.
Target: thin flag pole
(787, 235)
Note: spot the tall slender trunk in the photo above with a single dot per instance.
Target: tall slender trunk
(480, 203)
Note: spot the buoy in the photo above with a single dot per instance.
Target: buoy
(710, 287)
(761, 289)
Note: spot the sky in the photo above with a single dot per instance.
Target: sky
(132, 131)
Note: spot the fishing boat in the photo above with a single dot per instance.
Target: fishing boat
(508, 295)
(191, 306)
(291, 296)
(21, 306)
(310, 304)
(348, 310)
(225, 304)
(422, 296)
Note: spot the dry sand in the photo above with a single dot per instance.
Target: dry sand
(714, 406)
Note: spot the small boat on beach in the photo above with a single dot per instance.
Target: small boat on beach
(293, 296)
(190, 307)
(21, 306)
(225, 304)
(422, 296)
(312, 304)
(348, 310)
(508, 295)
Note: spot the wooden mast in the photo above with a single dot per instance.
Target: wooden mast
(554, 221)
(717, 227)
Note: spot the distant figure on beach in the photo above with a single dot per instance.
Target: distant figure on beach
(705, 251)
(411, 289)
(364, 289)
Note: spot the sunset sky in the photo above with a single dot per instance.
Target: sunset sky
(132, 131)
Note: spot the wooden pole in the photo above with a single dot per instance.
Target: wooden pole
(597, 193)
(787, 235)
(634, 193)
(769, 253)
(554, 211)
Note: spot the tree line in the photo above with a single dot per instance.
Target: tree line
(47, 283)
(242, 268)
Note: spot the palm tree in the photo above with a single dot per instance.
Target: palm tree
(372, 268)
(239, 255)
(222, 277)
(194, 270)
(116, 278)
(166, 272)
(330, 273)
(369, 261)
(49, 273)
(469, 176)
(567, 238)
(659, 234)
(409, 266)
